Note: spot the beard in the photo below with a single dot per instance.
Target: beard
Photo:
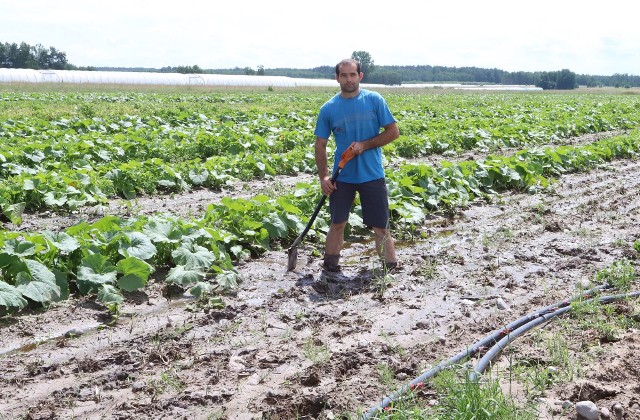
(349, 87)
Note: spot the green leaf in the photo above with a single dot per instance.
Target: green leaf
(198, 177)
(79, 229)
(193, 234)
(108, 294)
(200, 289)
(261, 198)
(163, 231)
(11, 265)
(128, 191)
(238, 204)
(135, 273)
(36, 157)
(215, 302)
(111, 224)
(121, 181)
(63, 241)
(240, 253)
(276, 227)
(139, 246)
(167, 183)
(14, 212)
(191, 255)
(95, 270)
(410, 213)
(62, 280)
(19, 248)
(10, 297)
(51, 200)
(287, 205)
(38, 283)
(229, 279)
(184, 276)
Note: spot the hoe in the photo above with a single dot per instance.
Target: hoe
(346, 156)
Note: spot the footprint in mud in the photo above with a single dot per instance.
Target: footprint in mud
(336, 285)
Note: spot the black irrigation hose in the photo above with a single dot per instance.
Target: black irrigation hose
(534, 318)
(494, 351)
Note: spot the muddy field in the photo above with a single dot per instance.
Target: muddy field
(304, 345)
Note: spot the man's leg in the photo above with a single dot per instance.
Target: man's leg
(335, 238)
(375, 211)
(340, 202)
(333, 246)
(385, 245)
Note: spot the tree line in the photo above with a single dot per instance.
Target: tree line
(25, 56)
(37, 57)
(396, 75)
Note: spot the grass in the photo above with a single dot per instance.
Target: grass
(464, 398)
(428, 269)
(459, 398)
(168, 379)
(393, 346)
(621, 275)
(386, 375)
(316, 352)
(380, 282)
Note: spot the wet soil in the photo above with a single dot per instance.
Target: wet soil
(305, 344)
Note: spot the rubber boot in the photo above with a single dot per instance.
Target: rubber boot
(389, 266)
(331, 263)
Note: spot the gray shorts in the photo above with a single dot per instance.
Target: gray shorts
(373, 197)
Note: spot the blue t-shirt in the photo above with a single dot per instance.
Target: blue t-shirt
(355, 119)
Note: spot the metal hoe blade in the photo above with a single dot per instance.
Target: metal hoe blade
(293, 258)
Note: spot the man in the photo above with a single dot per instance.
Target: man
(359, 118)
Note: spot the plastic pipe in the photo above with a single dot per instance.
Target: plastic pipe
(504, 342)
(470, 351)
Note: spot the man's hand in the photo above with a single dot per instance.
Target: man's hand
(389, 134)
(357, 148)
(327, 186)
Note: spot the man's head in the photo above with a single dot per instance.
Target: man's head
(347, 61)
(348, 74)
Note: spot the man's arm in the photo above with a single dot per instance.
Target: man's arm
(389, 134)
(323, 169)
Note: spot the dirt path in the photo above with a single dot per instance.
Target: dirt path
(301, 345)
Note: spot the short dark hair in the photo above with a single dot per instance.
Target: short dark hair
(347, 61)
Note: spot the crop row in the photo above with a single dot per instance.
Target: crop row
(114, 255)
(184, 142)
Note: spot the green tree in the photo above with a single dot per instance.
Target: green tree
(566, 79)
(25, 56)
(49, 58)
(386, 77)
(188, 69)
(366, 63)
(546, 81)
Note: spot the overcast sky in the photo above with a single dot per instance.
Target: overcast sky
(544, 35)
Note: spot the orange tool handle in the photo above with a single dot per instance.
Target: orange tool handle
(346, 156)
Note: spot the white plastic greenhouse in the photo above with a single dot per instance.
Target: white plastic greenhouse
(144, 78)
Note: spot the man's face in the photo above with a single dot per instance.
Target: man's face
(349, 78)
